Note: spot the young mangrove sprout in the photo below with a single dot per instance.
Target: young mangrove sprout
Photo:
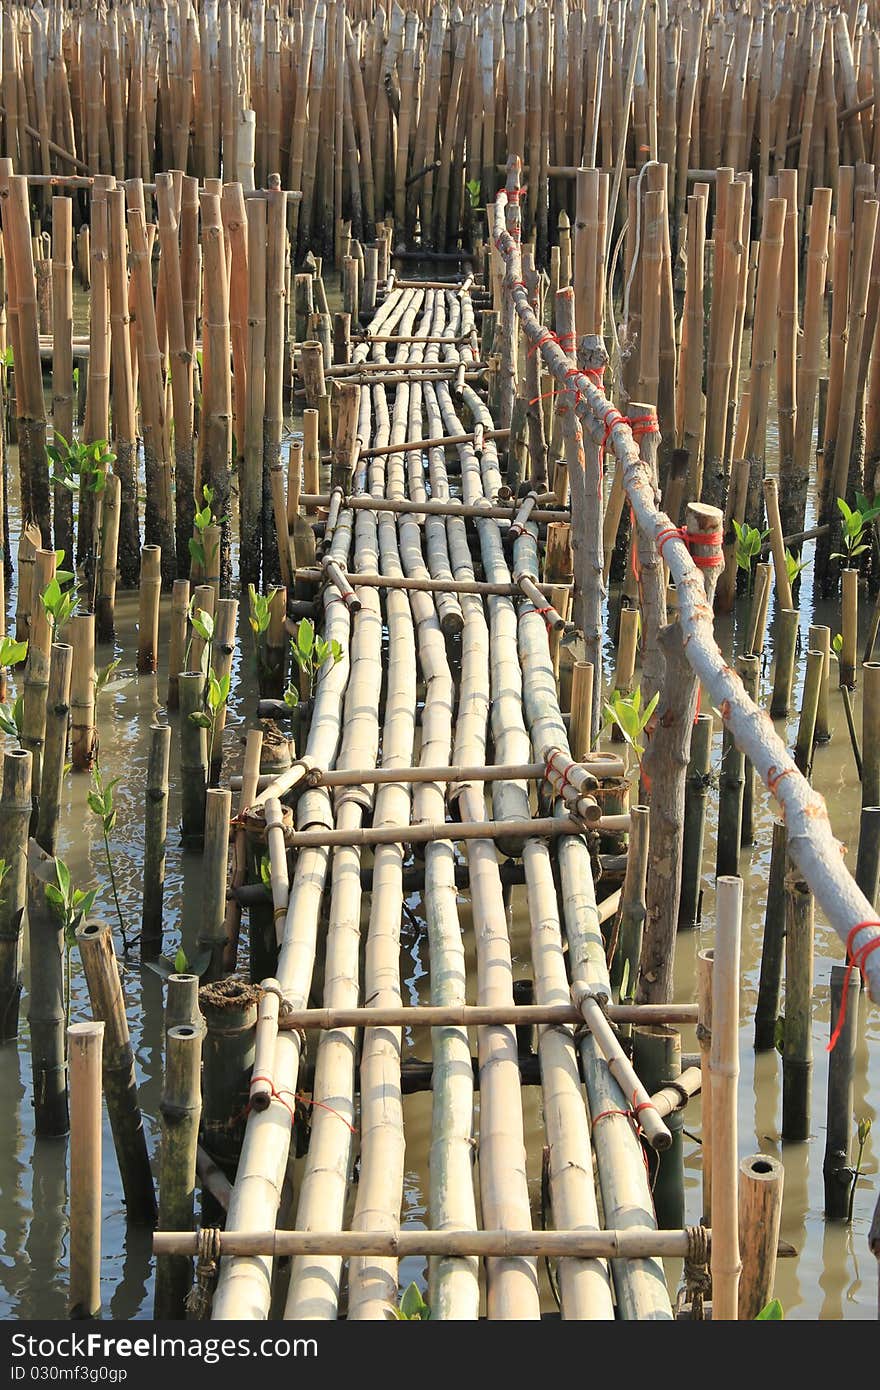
(71, 905)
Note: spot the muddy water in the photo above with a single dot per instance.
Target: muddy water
(833, 1276)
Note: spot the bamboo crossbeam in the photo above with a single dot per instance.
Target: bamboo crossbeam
(432, 507)
(427, 586)
(423, 445)
(600, 765)
(633, 1243)
(480, 1015)
(543, 827)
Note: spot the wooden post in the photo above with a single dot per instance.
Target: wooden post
(95, 942)
(694, 825)
(85, 1042)
(783, 677)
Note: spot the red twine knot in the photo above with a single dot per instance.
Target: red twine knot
(856, 959)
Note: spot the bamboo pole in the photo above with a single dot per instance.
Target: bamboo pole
(85, 1047)
(46, 1010)
(55, 748)
(15, 815)
(95, 942)
(155, 830)
(148, 618)
(193, 759)
(36, 674)
(797, 1059)
(839, 1176)
(180, 1109)
(694, 824)
(724, 1066)
(761, 1178)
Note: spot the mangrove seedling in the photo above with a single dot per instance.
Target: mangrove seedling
(71, 905)
(864, 1129)
(59, 599)
(748, 547)
(412, 1307)
(312, 652)
(202, 520)
(11, 654)
(216, 695)
(631, 719)
(100, 800)
(855, 522)
(201, 625)
(771, 1312)
(80, 467)
(474, 188)
(794, 567)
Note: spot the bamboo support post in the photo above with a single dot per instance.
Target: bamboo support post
(180, 1110)
(148, 616)
(15, 816)
(193, 759)
(783, 677)
(761, 1178)
(95, 942)
(85, 1046)
(155, 833)
(230, 1010)
(55, 748)
(797, 1057)
(838, 1173)
(724, 1068)
(212, 932)
(177, 640)
(83, 733)
(772, 950)
(46, 1010)
(694, 824)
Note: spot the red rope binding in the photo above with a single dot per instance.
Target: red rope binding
(855, 959)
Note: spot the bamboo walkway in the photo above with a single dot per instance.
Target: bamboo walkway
(503, 706)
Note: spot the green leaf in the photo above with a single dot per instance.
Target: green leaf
(412, 1306)
(771, 1312)
(96, 803)
(62, 873)
(12, 652)
(265, 874)
(180, 961)
(202, 721)
(54, 896)
(305, 637)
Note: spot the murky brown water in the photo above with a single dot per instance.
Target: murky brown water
(834, 1275)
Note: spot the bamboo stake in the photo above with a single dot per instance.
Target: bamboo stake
(760, 1213)
(193, 759)
(724, 1066)
(95, 943)
(85, 1046)
(181, 1109)
(46, 1009)
(55, 748)
(155, 830)
(148, 620)
(15, 815)
(797, 1062)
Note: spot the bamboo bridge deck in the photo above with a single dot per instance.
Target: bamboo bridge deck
(432, 676)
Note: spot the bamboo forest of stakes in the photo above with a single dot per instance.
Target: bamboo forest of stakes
(441, 536)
